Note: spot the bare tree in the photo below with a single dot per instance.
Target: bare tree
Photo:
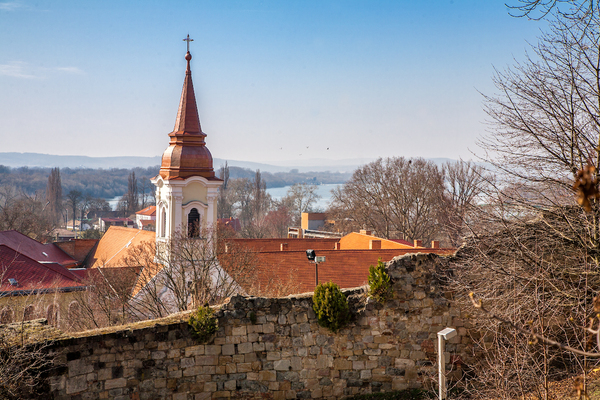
(54, 195)
(393, 196)
(106, 300)
(24, 214)
(533, 257)
(131, 199)
(300, 198)
(466, 185)
(74, 198)
(186, 272)
(225, 202)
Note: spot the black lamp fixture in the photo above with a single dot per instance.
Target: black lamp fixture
(310, 254)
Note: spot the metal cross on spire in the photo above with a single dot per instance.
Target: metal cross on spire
(188, 40)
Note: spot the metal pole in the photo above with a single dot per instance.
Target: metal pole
(316, 274)
(442, 367)
(443, 335)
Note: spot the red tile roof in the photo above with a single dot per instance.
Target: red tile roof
(347, 268)
(36, 250)
(31, 275)
(292, 244)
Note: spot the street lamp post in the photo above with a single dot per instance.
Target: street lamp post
(312, 257)
(443, 335)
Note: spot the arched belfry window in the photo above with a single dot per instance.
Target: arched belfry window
(193, 223)
(163, 223)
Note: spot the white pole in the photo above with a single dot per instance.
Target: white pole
(441, 367)
(443, 335)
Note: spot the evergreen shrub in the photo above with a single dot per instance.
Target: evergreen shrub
(331, 306)
(380, 286)
(203, 323)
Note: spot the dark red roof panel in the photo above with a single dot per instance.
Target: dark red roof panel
(29, 274)
(36, 250)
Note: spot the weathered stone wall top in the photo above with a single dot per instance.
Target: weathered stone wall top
(274, 348)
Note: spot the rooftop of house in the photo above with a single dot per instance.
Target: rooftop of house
(20, 274)
(293, 273)
(117, 220)
(44, 253)
(147, 211)
(356, 241)
(113, 246)
(285, 244)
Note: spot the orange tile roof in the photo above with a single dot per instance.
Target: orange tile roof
(147, 211)
(347, 268)
(357, 241)
(113, 246)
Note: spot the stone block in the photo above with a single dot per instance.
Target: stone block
(222, 394)
(273, 355)
(244, 367)
(202, 396)
(267, 376)
(239, 330)
(231, 368)
(212, 350)
(358, 365)
(106, 358)
(341, 364)
(179, 396)
(210, 386)
(228, 349)
(282, 365)
(76, 384)
(115, 383)
(269, 327)
(194, 351)
(104, 374)
(207, 360)
(230, 385)
(244, 348)
(296, 363)
(258, 347)
(187, 362)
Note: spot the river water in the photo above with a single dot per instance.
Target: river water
(277, 193)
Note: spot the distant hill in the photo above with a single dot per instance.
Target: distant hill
(16, 160)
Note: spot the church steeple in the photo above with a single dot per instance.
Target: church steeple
(187, 154)
(188, 121)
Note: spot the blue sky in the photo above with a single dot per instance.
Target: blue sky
(275, 80)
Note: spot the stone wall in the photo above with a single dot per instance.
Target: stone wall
(274, 348)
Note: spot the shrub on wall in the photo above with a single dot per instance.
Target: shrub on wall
(380, 286)
(331, 306)
(203, 323)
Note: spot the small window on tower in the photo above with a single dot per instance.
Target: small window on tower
(193, 223)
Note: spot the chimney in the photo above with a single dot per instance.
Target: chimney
(418, 243)
(338, 246)
(283, 246)
(375, 244)
(365, 232)
(435, 244)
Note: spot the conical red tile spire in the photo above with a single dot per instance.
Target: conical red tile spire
(187, 154)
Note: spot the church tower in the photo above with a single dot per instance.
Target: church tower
(186, 186)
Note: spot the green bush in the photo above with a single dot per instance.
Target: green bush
(203, 323)
(331, 306)
(380, 287)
